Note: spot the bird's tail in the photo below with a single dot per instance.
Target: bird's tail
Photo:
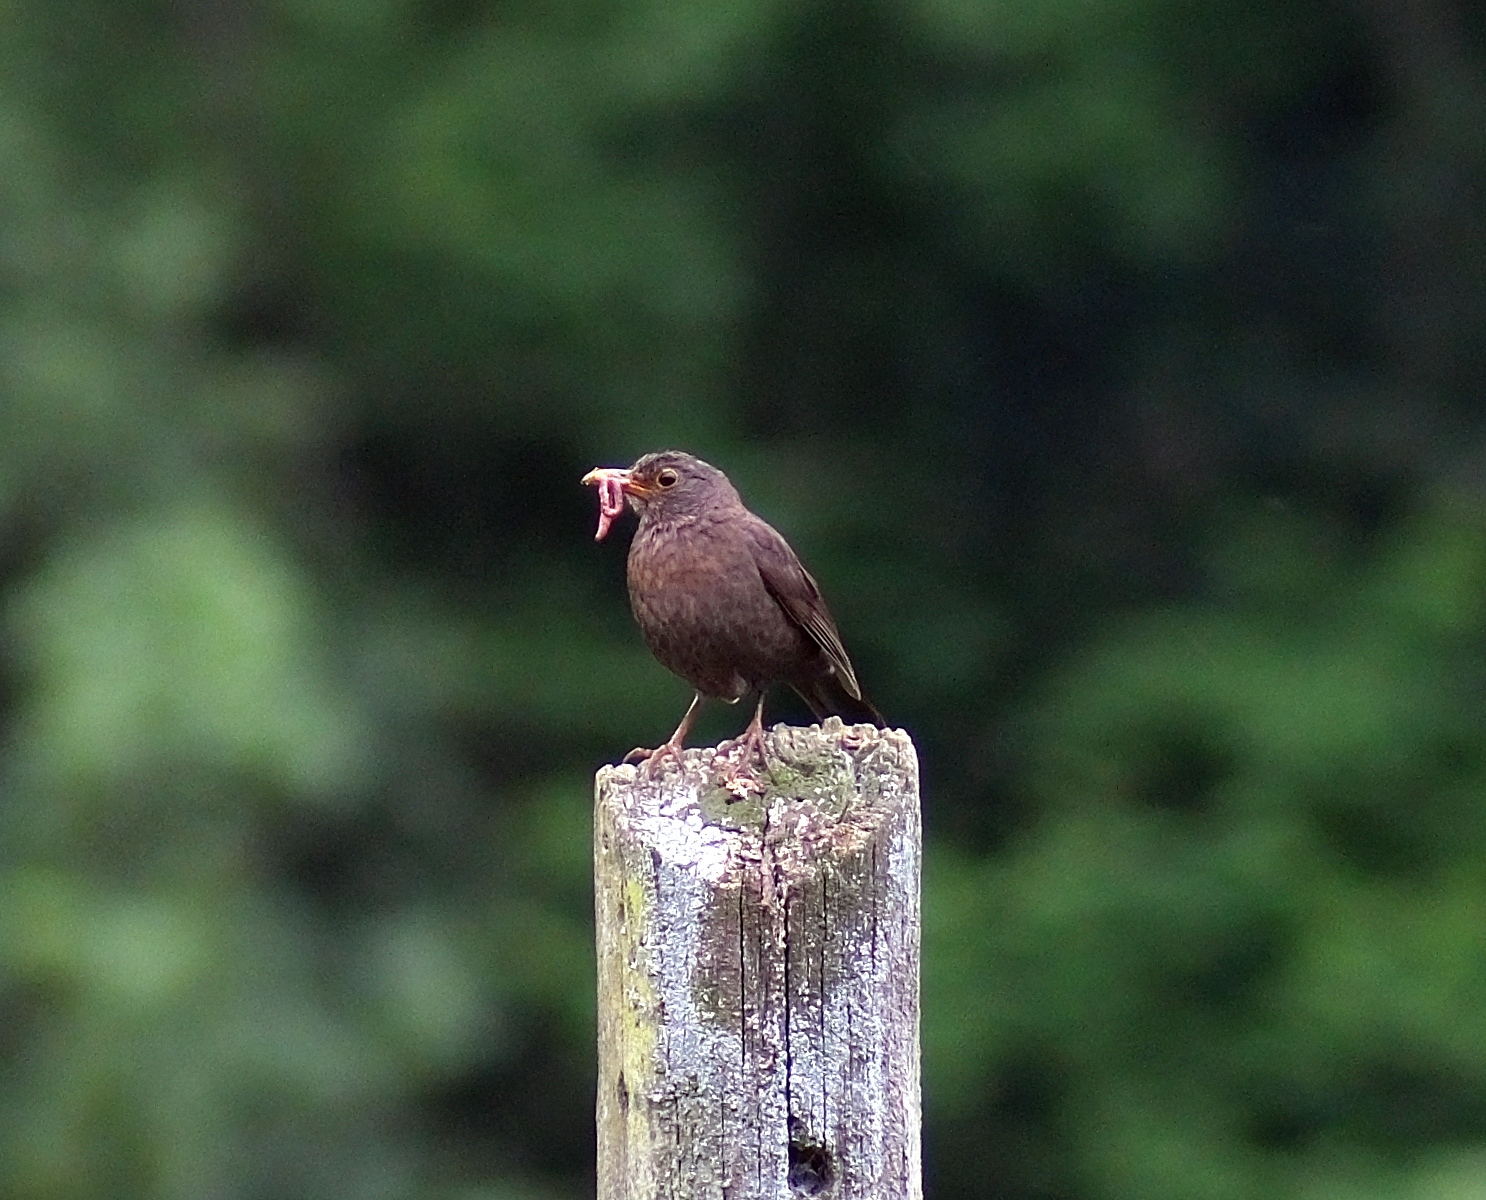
(827, 698)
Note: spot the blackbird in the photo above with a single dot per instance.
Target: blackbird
(721, 599)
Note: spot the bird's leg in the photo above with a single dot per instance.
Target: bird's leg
(749, 743)
(671, 745)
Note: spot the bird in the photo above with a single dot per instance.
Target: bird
(722, 600)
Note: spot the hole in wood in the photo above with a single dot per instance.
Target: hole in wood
(810, 1168)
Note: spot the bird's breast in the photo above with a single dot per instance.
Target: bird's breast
(703, 609)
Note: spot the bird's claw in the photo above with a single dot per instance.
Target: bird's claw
(745, 747)
(649, 760)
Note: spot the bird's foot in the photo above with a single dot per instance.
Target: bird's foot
(649, 760)
(737, 776)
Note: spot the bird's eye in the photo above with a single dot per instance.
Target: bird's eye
(667, 478)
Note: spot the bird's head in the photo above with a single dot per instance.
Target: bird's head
(662, 485)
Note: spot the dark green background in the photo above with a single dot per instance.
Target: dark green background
(1118, 367)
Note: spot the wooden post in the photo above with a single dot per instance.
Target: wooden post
(758, 974)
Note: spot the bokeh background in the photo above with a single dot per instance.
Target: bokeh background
(1119, 366)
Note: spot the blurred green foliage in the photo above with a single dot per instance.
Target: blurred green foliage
(1116, 365)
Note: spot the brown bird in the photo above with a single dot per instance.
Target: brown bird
(721, 599)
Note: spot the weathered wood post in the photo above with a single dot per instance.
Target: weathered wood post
(758, 974)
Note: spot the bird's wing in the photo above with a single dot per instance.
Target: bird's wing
(796, 591)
